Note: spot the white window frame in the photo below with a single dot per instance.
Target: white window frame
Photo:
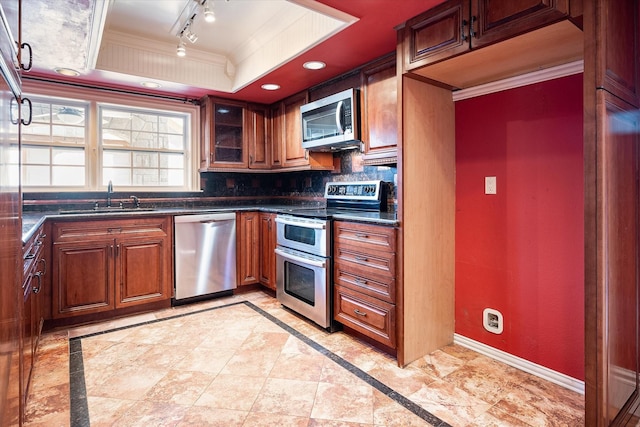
(98, 97)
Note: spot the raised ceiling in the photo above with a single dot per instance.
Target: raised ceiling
(121, 43)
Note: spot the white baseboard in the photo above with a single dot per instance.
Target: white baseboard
(522, 364)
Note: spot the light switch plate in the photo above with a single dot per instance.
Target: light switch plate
(490, 185)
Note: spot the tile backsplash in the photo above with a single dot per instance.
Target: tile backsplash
(239, 187)
(297, 184)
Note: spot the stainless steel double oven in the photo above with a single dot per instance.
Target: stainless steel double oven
(303, 266)
(304, 250)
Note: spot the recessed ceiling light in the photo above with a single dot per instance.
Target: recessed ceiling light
(151, 85)
(67, 72)
(270, 86)
(314, 65)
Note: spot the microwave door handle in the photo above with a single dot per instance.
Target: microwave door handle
(339, 116)
(300, 260)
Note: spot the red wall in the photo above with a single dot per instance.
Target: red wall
(521, 251)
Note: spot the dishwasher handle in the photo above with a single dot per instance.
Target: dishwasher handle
(214, 221)
(222, 216)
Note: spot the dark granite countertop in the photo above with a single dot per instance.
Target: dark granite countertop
(31, 220)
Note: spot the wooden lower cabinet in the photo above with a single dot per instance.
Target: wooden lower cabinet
(372, 317)
(267, 250)
(135, 284)
(103, 265)
(34, 270)
(365, 279)
(248, 249)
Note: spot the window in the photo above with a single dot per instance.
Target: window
(81, 144)
(54, 145)
(142, 148)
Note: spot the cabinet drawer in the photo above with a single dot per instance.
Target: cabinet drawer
(99, 228)
(383, 288)
(367, 315)
(365, 264)
(32, 253)
(367, 237)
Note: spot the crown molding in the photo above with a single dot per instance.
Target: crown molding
(550, 73)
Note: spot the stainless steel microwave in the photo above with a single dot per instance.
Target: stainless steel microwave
(332, 123)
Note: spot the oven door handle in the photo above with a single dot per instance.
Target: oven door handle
(306, 224)
(299, 259)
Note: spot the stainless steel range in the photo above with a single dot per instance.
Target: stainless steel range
(303, 255)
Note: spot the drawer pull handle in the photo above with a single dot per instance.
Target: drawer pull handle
(359, 313)
(30, 256)
(362, 236)
(361, 258)
(360, 281)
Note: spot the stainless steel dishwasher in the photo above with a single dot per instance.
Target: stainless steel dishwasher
(205, 254)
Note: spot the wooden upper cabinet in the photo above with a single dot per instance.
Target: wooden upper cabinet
(258, 137)
(292, 154)
(496, 20)
(618, 50)
(380, 112)
(516, 37)
(224, 137)
(276, 135)
(437, 34)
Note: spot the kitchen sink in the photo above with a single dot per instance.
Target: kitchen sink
(104, 210)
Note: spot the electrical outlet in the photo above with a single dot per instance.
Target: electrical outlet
(492, 320)
(490, 185)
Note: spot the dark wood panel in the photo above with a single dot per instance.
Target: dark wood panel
(618, 49)
(383, 288)
(380, 264)
(248, 248)
(380, 109)
(611, 150)
(292, 152)
(83, 277)
(437, 34)
(370, 316)
(259, 144)
(620, 198)
(267, 250)
(496, 20)
(136, 285)
(365, 236)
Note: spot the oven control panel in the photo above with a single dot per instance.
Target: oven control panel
(359, 190)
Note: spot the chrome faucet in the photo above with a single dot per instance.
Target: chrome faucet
(109, 193)
(136, 201)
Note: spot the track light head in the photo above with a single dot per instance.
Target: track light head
(209, 16)
(181, 50)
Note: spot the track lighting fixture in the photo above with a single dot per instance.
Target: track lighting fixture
(182, 50)
(208, 13)
(184, 31)
(190, 35)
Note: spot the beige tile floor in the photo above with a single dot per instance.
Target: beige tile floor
(232, 366)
